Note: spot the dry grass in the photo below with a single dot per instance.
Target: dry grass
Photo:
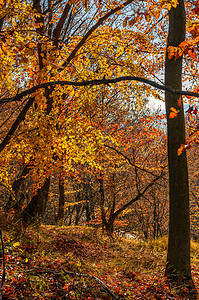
(132, 269)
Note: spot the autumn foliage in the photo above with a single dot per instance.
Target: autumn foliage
(81, 145)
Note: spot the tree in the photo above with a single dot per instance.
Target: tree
(63, 62)
(49, 43)
(133, 169)
(178, 259)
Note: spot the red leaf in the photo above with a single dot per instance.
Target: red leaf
(190, 110)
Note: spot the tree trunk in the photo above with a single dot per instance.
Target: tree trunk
(89, 203)
(88, 211)
(60, 214)
(37, 205)
(17, 188)
(102, 201)
(108, 225)
(178, 268)
(78, 213)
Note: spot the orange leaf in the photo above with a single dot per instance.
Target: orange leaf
(196, 141)
(132, 22)
(179, 102)
(125, 22)
(192, 54)
(183, 44)
(173, 113)
(174, 110)
(181, 149)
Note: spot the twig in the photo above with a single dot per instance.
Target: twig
(129, 160)
(4, 268)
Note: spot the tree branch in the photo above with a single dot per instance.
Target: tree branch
(94, 82)
(138, 196)
(15, 125)
(93, 28)
(58, 28)
(4, 267)
(129, 161)
(102, 81)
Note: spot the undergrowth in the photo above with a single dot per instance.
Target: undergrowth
(83, 263)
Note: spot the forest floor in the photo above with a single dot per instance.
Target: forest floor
(52, 262)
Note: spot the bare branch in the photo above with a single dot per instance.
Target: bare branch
(129, 161)
(93, 28)
(4, 267)
(15, 125)
(94, 82)
(58, 28)
(147, 187)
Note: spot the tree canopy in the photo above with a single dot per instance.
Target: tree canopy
(73, 74)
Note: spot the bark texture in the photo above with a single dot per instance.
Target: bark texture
(178, 267)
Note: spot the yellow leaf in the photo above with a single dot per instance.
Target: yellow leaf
(72, 92)
(16, 244)
(79, 264)
(173, 3)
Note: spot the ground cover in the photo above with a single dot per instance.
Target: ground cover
(52, 262)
